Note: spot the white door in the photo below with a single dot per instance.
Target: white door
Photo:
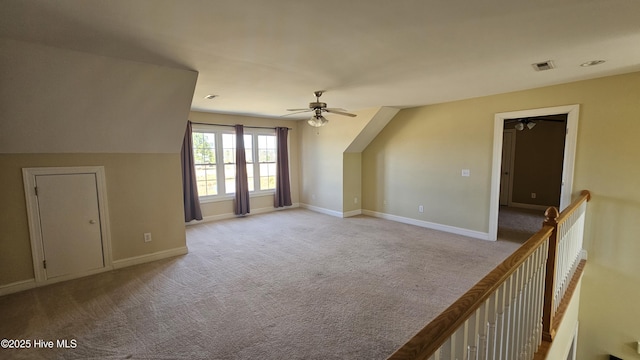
(508, 147)
(69, 223)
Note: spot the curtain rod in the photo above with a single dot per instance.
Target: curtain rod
(250, 127)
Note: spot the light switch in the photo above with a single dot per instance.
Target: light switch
(466, 172)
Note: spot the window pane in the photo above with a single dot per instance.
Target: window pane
(210, 140)
(230, 178)
(267, 147)
(204, 148)
(267, 152)
(267, 176)
(198, 138)
(229, 148)
(271, 142)
(202, 188)
(271, 155)
(250, 180)
(206, 179)
(248, 148)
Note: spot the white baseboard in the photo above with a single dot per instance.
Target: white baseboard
(429, 225)
(118, 264)
(264, 210)
(17, 287)
(32, 283)
(352, 213)
(529, 206)
(322, 210)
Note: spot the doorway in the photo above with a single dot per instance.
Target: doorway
(572, 112)
(68, 222)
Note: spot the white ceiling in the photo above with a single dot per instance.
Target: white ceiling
(262, 57)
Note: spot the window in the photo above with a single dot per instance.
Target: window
(214, 151)
(267, 153)
(204, 154)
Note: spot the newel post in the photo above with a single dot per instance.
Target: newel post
(551, 219)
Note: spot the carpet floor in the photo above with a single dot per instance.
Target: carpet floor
(290, 284)
(518, 224)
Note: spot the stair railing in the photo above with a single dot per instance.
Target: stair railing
(511, 311)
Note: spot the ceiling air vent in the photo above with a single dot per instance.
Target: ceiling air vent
(545, 65)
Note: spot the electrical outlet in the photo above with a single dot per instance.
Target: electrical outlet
(466, 172)
(421, 208)
(147, 237)
(355, 200)
(533, 195)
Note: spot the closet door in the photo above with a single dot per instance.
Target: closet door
(70, 224)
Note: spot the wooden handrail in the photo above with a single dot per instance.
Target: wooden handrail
(585, 195)
(436, 333)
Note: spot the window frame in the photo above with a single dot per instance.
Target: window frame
(219, 153)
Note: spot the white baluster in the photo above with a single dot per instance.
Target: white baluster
(483, 321)
(494, 309)
(445, 353)
(438, 355)
(506, 323)
(460, 342)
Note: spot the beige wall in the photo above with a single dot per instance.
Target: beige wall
(322, 160)
(417, 160)
(418, 157)
(352, 163)
(144, 194)
(224, 208)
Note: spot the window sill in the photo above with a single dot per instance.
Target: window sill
(229, 197)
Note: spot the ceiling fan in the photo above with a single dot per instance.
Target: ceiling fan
(318, 108)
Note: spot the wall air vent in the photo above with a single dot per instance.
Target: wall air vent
(545, 65)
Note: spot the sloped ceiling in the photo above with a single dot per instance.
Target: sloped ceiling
(61, 101)
(262, 57)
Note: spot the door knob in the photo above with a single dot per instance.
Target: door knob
(92, 221)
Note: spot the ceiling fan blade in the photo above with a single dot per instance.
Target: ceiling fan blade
(297, 111)
(336, 111)
(304, 109)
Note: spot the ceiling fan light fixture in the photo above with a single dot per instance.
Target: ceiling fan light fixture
(317, 121)
(318, 107)
(522, 123)
(592, 63)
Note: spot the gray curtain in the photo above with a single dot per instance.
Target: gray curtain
(189, 185)
(242, 187)
(283, 187)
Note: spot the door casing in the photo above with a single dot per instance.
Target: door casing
(35, 231)
(573, 112)
(507, 189)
